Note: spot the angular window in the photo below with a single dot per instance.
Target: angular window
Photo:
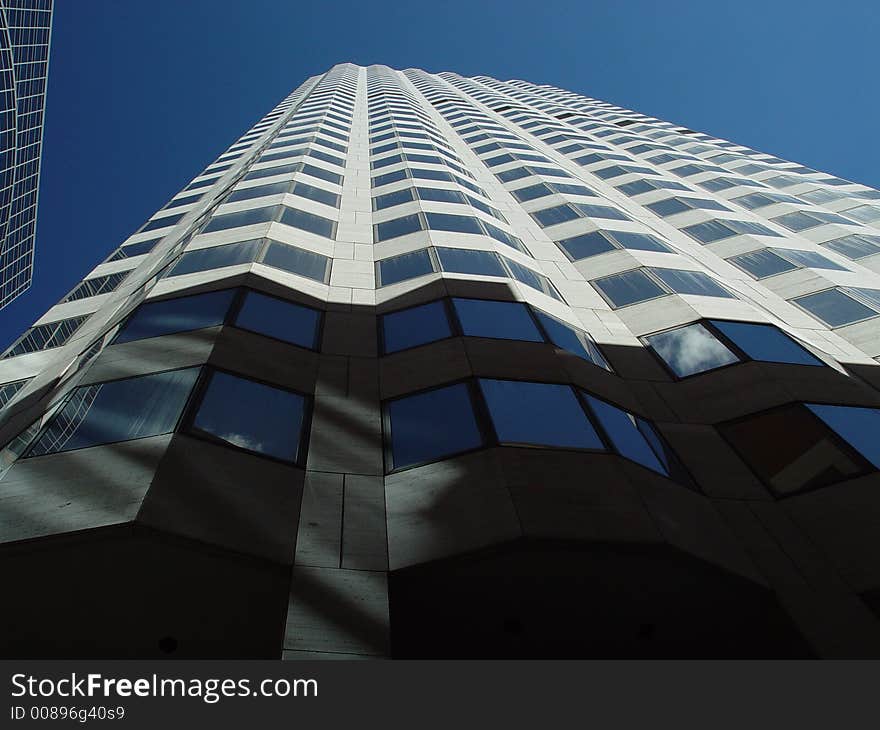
(319, 195)
(864, 213)
(431, 425)
(310, 222)
(397, 227)
(532, 192)
(389, 177)
(322, 174)
(216, 257)
(601, 211)
(539, 414)
(709, 232)
(692, 282)
(639, 241)
(242, 218)
(134, 249)
(297, 261)
(165, 222)
(762, 263)
(810, 259)
(279, 319)
(765, 342)
(260, 191)
(568, 338)
(8, 391)
(389, 200)
(793, 449)
(586, 245)
(629, 287)
(855, 246)
(834, 308)
(273, 171)
(252, 416)
(414, 326)
(554, 216)
(857, 426)
(622, 430)
(403, 267)
(96, 285)
(440, 196)
(177, 315)
(690, 350)
(46, 336)
(468, 261)
(525, 275)
(121, 410)
(456, 223)
(801, 220)
(501, 320)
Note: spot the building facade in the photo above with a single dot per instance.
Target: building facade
(434, 366)
(25, 30)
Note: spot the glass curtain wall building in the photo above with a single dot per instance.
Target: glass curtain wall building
(434, 366)
(25, 29)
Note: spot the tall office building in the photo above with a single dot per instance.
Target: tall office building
(25, 28)
(434, 366)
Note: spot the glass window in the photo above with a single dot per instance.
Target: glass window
(120, 410)
(403, 267)
(798, 221)
(432, 425)
(314, 193)
(834, 308)
(457, 223)
(440, 196)
(532, 192)
(629, 287)
(177, 315)
(690, 350)
(501, 320)
(542, 414)
(216, 257)
(280, 319)
(553, 216)
(639, 241)
(601, 211)
(469, 261)
(855, 246)
(668, 207)
(414, 326)
(308, 222)
(864, 213)
(810, 259)
(252, 416)
(272, 171)
(297, 261)
(389, 200)
(525, 275)
(765, 342)
(165, 222)
(623, 431)
(389, 177)
(568, 338)
(692, 282)
(242, 218)
(586, 245)
(762, 263)
(134, 249)
(857, 426)
(259, 191)
(322, 174)
(791, 449)
(398, 227)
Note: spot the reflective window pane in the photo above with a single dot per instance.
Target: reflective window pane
(859, 427)
(414, 326)
(389, 200)
(242, 218)
(315, 193)
(280, 319)
(586, 245)
(216, 257)
(566, 337)
(259, 191)
(762, 263)
(252, 416)
(692, 282)
(541, 414)
(398, 227)
(765, 342)
(403, 267)
(118, 411)
(621, 427)
(468, 261)
(834, 308)
(308, 222)
(432, 425)
(629, 287)
(297, 261)
(455, 223)
(639, 241)
(690, 350)
(177, 315)
(501, 320)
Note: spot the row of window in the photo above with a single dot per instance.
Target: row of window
(460, 261)
(436, 195)
(415, 222)
(293, 217)
(475, 414)
(640, 285)
(443, 318)
(417, 173)
(771, 261)
(295, 167)
(301, 189)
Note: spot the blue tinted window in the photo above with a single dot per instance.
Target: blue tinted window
(568, 338)
(415, 326)
(457, 223)
(279, 319)
(639, 241)
(765, 342)
(297, 261)
(118, 411)
(553, 216)
(629, 287)
(308, 222)
(835, 308)
(525, 275)
(502, 320)
(322, 174)
(532, 192)
(467, 261)
(272, 171)
(259, 191)
(389, 177)
(252, 416)
(543, 414)
(440, 196)
(811, 259)
(709, 231)
(763, 263)
(217, 257)
(622, 429)
(601, 211)
(242, 218)
(389, 200)
(163, 222)
(406, 266)
(177, 315)
(432, 425)
(135, 249)
(398, 227)
(691, 282)
(586, 245)
(690, 350)
(857, 426)
(317, 194)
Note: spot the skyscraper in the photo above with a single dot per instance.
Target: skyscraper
(25, 28)
(434, 366)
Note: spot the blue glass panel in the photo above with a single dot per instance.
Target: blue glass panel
(835, 308)
(690, 350)
(629, 287)
(622, 429)
(432, 425)
(308, 222)
(501, 320)
(403, 267)
(415, 326)
(216, 257)
(692, 282)
(279, 319)
(398, 227)
(242, 218)
(297, 261)
(765, 342)
(859, 427)
(467, 261)
(252, 416)
(568, 338)
(177, 315)
(586, 245)
(542, 414)
(456, 223)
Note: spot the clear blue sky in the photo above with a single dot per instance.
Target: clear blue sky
(142, 95)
